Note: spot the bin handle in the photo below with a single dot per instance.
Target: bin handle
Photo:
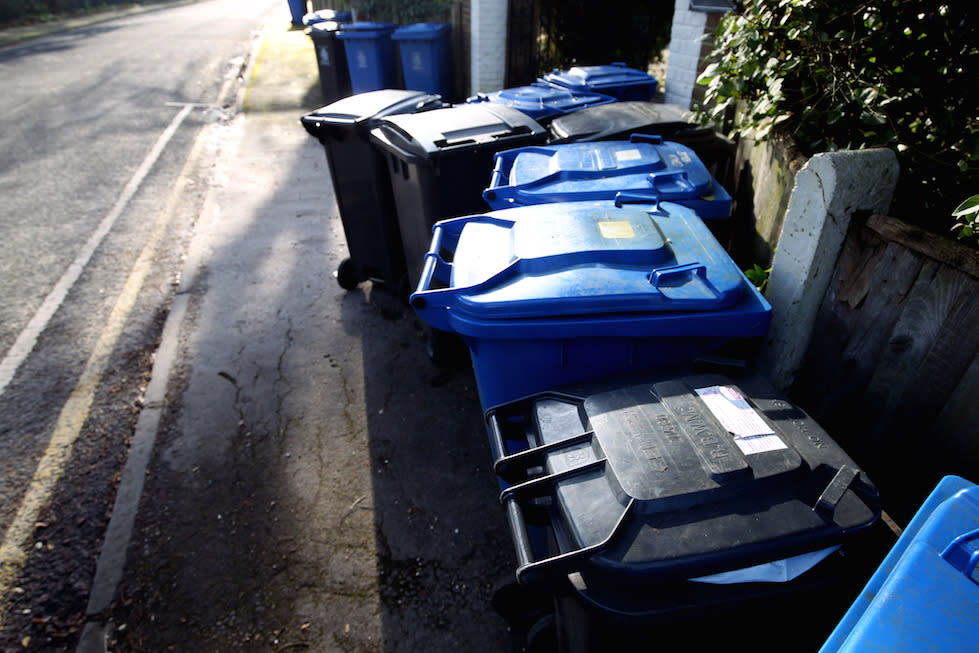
(532, 570)
(679, 177)
(635, 197)
(445, 234)
(655, 139)
(502, 168)
(963, 555)
(433, 263)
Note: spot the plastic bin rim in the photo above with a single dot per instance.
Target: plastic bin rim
(420, 31)
(365, 30)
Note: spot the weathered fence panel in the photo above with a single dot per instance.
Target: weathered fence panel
(891, 370)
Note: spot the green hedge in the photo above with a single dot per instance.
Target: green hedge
(842, 74)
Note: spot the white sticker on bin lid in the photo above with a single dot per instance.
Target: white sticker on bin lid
(628, 155)
(751, 433)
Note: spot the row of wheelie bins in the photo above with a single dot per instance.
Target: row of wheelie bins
(647, 476)
(361, 56)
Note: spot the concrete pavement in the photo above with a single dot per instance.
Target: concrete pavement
(302, 475)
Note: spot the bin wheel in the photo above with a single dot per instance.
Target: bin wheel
(446, 350)
(404, 289)
(347, 275)
(542, 636)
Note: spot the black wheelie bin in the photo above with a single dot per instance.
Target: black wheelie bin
(360, 181)
(331, 59)
(681, 508)
(439, 162)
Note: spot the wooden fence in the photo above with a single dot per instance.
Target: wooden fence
(892, 368)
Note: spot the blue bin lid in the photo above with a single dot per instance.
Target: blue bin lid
(431, 134)
(365, 30)
(540, 100)
(601, 78)
(594, 171)
(327, 15)
(579, 265)
(421, 31)
(928, 599)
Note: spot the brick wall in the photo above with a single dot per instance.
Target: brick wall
(488, 57)
(681, 74)
(691, 40)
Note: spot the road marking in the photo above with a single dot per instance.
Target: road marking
(15, 545)
(25, 342)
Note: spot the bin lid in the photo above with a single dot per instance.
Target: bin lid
(363, 107)
(576, 261)
(365, 30)
(601, 78)
(669, 475)
(620, 119)
(421, 31)
(327, 15)
(540, 100)
(323, 30)
(462, 127)
(924, 594)
(583, 171)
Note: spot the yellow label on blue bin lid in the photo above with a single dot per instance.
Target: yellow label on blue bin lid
(615, 229)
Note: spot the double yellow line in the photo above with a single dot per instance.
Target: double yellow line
(16, 543)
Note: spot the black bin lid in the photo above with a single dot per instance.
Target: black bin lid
(659, 477)
(365, 107)
(618, 120)
(460, 128)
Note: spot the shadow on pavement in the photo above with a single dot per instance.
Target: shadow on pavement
(54, 43)
(317, 482)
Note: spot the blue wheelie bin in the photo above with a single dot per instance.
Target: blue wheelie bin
(672, 499)
(425, 57)
(644, 165)
(297, 9)
(370, 55)
(543, 102)
(616, 79)
(924, 596)
(620, 120)
(549, 294)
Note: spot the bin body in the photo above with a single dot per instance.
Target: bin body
(671, 496)
(924, 595)
(439, 161)
(617, 80)
(331, 60)
(360, 181)
(550, 294)
(645, 165)
(544, 102)
(425, 57)
(370, 55)
(297, 9)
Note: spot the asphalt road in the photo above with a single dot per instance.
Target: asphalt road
(104, 160)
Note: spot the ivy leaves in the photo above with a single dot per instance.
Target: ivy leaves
(839, 74)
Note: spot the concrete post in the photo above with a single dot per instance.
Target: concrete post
(828, 189)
